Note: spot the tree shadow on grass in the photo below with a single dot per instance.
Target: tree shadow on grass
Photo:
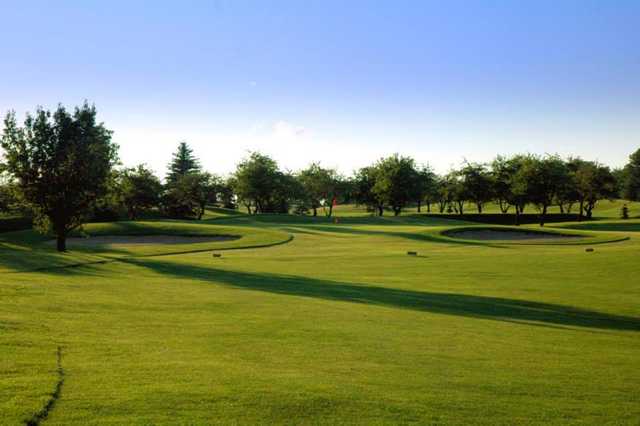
(494, 308)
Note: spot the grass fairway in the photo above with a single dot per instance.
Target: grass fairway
(337, 325)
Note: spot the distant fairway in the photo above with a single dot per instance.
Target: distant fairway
(307, 321)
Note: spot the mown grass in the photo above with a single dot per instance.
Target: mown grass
(28, 250)
(631, 225)
(336, 326)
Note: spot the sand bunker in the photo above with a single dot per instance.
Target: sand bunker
(143, 240)
(507, 235)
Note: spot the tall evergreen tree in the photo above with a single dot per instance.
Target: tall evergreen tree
(182, 164)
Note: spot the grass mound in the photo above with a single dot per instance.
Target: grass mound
(525, 235)
(499, 234)
(27, 250)
(632, 225)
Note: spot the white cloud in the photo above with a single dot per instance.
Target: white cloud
(286, 130)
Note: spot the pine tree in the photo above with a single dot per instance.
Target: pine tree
(182, 164)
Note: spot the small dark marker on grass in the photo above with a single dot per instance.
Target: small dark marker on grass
(589, 250)
(412, 253)
(217, 255)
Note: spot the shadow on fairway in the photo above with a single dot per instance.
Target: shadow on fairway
(494, 308)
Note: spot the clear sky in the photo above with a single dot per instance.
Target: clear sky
(341, 82)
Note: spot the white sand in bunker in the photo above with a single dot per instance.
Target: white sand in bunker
(144, 239)
(507, 235)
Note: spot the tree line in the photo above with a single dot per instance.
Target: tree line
(63, 168)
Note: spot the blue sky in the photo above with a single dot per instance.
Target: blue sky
(339, 82)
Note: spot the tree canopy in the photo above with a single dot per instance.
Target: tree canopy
(631, 185)
(61, 162)
(140, 190)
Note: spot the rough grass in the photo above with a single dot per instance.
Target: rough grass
(337, 326)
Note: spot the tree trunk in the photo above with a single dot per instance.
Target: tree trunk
(428, 207)
(517, 216)
(380, 210)
(315, 211)
(419, 205)
(331, 210)
(543, 214)
(460, 207)
(397, 210)
(561, 207)
(589, 208)
(61, 242)
(479, 208)
(580, 213)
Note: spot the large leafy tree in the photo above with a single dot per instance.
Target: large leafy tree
(443, 196)
(140, 190)
(396, 180)
(110, 207)
(262, 187)
(191, 194)
(225, 195)
(455, 191)
(592, 182)
(631, 185)
(363, 183)
(477, 183)
(567, 194)
(425, 187)
(182, 163)
(320, 185)
(61, 162)
(503, 171)
(541, 179)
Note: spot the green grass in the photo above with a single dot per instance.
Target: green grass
(631, 225)
(337, 325)
(27, 250)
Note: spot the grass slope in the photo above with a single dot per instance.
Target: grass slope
(338, 325)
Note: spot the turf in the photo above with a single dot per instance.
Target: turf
(337, 325)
